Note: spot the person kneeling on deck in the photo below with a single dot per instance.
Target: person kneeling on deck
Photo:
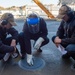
(65, 37)
(35, 29)
(7, 44)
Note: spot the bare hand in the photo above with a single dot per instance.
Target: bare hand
(57, 40)
(13, 43)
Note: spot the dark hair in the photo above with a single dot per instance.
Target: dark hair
(69, 11)
(32, 15)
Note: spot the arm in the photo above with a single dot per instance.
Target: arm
(69, 40)
(14, 34)
(60, 34)
(60, 31)
(6, 48)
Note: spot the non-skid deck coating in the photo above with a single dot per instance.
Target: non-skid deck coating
(39, 63)
(54, 64)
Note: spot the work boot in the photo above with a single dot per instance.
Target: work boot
(29, 59)
(15, 54)
(23, 56)
(73, 67)
(39, 50)
(66, 56)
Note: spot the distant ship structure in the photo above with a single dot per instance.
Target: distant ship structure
(44, 10)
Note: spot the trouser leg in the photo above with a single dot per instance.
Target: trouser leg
(46, 41)
(71, 50)
(22, 43)
(1, 56)
(8, 40)
(27, 44)
(5, 46)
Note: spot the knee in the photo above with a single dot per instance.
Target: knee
(47, 40)
(53, 38)
(21, 35)
(70, 48)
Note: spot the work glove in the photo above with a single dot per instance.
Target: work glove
(6, 57)
(38, 43)
(29, 59)
(15, 54)
(61, 49)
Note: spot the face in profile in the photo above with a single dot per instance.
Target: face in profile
(7, 26)
(65, 17)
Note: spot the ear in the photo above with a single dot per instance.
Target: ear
(4, 22)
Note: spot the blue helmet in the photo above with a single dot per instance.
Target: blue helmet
(33, 23)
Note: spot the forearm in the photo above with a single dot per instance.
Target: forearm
(14, 33)
(6, 49)
(68, 41)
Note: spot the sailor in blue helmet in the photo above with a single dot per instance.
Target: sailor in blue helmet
(34, 29)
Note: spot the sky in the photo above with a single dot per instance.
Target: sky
(9, 3)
